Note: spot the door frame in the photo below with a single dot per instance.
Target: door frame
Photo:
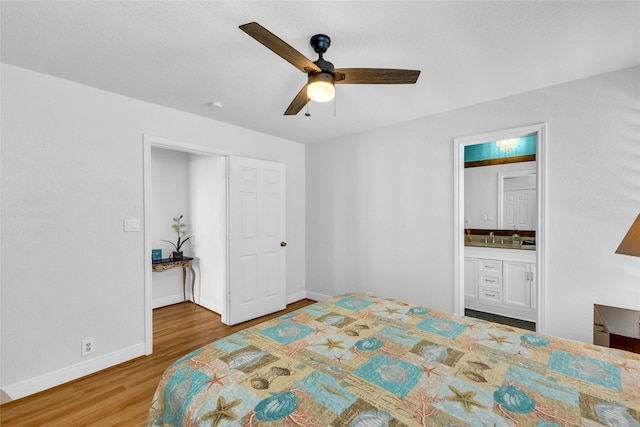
(148, 142)
(458, 232)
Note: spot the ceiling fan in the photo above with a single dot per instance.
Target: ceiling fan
(322, 76)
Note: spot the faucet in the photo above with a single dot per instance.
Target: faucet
(493, 238)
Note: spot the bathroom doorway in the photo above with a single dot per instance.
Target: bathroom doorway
(528, 298)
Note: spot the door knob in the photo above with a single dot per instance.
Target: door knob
(283, 244)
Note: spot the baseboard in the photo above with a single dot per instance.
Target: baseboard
(296, 296)
(61, 376)
(168, 300)
(316, 296)
(4, 397)
(211, 305)
(176, 299)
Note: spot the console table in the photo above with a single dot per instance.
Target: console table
(185, 262)
(616, 327)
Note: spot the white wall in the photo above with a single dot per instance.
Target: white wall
(209, 215)
(71, 172)
(380, 205)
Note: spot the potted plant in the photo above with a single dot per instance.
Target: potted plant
(179, 229)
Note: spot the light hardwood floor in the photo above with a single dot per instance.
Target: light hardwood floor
(121, 395)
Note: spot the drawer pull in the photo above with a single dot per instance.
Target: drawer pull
(490, 280)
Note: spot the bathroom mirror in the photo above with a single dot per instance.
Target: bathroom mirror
(500, 188)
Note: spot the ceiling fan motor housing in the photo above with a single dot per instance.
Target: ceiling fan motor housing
(321, 77)
(325, 66)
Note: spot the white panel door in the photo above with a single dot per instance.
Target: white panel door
(257, 235)
(519, 210)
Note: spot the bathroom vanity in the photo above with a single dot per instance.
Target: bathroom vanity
(501, 279)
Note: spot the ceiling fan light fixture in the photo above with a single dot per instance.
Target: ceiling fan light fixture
(320, 87)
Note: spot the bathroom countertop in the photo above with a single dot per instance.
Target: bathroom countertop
(501, 246)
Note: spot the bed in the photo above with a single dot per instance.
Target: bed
(357, 360)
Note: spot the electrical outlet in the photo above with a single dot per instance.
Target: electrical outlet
(88, 346)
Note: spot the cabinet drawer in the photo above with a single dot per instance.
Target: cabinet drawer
(490, 266)
(490, 295)
(491, 281)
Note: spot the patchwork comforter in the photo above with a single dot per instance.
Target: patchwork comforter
(356, 360)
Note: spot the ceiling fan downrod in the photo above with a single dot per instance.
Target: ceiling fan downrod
(320, 44)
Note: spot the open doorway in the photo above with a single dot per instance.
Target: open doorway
(190, 186)
(194, 183)
(512, 285)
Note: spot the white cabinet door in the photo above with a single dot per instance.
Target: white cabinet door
(517, 284)
(470, 287)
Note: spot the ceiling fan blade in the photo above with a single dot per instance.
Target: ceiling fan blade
(377, 76)
(279, 47)
(298, 102)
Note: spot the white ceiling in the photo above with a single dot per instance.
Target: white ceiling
(188, 54)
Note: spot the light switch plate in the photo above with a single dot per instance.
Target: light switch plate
(131, 225)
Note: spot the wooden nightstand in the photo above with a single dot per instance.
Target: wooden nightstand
(616, 327)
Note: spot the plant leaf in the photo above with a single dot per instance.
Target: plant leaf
(173, 244)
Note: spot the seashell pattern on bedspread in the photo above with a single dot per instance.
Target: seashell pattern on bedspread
(358, 360)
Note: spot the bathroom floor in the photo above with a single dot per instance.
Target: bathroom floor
(517, 323)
